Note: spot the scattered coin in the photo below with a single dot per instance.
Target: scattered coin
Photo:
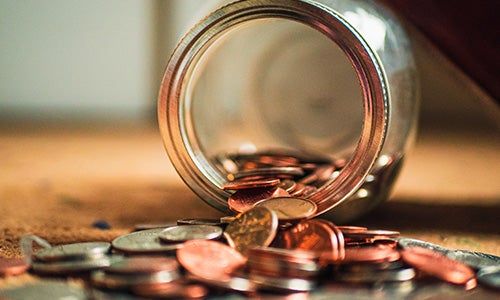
(171, 290)
(144, 241)
(400, 274)
(475, 260)
(490, 276)
(255, 227)
(71, 266)
(73, 251)
(408, 242)
(12, 266)
(184, 233)
(438, 265)
(210, 260)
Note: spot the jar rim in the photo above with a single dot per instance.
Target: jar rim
(370, 73)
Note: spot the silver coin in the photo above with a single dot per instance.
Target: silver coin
(489, 276)
(147, 226)
(145, 241)
(409, 242)
(403, 274)
(45, 290)
(184, 233)
(475, 260)
(73, 251)
(68, 267)
(233, 283)
(282, 283)
(128, 281)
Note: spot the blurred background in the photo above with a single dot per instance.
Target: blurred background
(102, 61)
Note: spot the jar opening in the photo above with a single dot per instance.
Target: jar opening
(290, 77)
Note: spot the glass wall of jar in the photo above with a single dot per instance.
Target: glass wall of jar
(333, 80)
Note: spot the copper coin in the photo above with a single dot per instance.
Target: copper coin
(255, 227)
(249, 184)
(370, 235)
(243, 200)
(290, 209)
(287, 184)
(310, 235)
(370, 253)
(209, 259)
(438, 265)
(12, 266)
(171, 290)
(143, 264)
(352, 229)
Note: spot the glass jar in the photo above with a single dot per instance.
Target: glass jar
(331, 78)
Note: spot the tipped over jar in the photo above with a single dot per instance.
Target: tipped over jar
(313, 85)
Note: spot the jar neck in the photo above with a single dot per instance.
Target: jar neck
(179, 139)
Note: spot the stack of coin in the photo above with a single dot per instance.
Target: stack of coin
(273, 245)
(273, 173)
(72, 258)
(137, 273)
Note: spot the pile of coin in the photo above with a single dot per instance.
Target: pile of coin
(66, 259)
(273, 173)
(252, 254)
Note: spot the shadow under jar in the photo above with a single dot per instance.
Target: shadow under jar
(328, 79)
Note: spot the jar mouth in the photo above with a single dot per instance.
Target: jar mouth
(175, 101)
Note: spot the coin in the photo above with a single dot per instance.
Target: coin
(45, 290)
(228, 283)
(409, 242)
(145, 241)
(310, 235)
(369, 235)
(370, 253)
(278, 172)
(283, 284)
(289, 209)
(171, 290)
(209, 259)
(70, 266)
(128, 281)
(143, 264)
(475, 260)
(437, 265)
(490, 276)
(243, 200)
(73, 251)
(184, 233)
(255, 227)
(403, 274)
(12, 266)
(249, 184)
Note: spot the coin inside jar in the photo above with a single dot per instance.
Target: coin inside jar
(243, 200)
(184, 233)
(290, 209)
